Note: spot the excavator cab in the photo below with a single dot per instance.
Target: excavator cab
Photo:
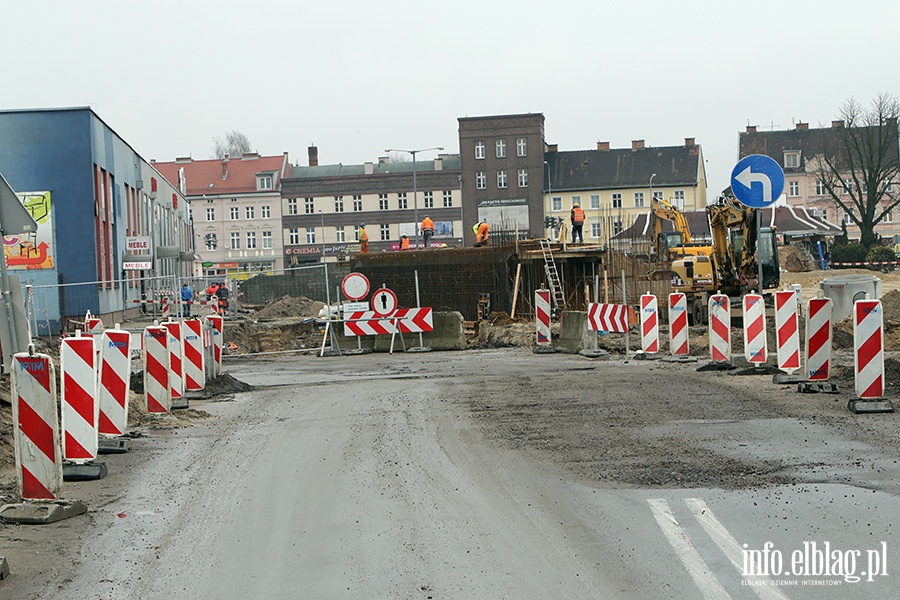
(668, 241)
(768, 257)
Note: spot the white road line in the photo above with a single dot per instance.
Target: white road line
(730, 547)
(709, 586)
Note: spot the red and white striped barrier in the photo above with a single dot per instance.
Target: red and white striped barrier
(165, 307)
(608, 317)
(194, 379)
(818, 339)
(720, 328)
(868, 348)
(866, 264)
(678, 324)
(80, 410)
(787, 330)
(755, 345)
(156, 369)
(92, 325)
(36, 427)
(176, 358)
(404, 320)
(218, 339)
(542, 316)
(649, 324)
(114, 376)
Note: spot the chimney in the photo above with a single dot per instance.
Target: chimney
(250, 156)
(751, 128)
(801, 126)
(368, 168)
(383, 160)
(225, 167)
(837, 124)
(637, 144)
(603, 146)
(690, 142)
(439, 164)
(182, 159)
(313, 156)
(552, 147)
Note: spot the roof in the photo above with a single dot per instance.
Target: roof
(794, 221)
(624, 168)
(449, 163)
(224, 176)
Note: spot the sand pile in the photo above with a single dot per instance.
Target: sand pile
(289, 306)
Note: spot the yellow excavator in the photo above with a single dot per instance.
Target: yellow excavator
(671, 245)
(731, 266)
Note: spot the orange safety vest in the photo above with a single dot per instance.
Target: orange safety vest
(363, 236)
(577, 215)
(427, 224)
(404, 243)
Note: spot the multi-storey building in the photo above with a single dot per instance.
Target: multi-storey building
(502, 163)
(614, 186)
(235, 206)
(323, 206)
(797, 151)
(109, 226)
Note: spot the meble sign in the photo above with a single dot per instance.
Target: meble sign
(137, 244)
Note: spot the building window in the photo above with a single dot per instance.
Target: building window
(576, 200)
(338, 204)
(523, 178)
(234, 213)
(791, 160)
(339, 233)
(292, 206)
(402, 203)
(617, 226)
(235, 240)
(479, 149)
(448, 198)
(357, 203)
(382, 202)
(480, 180)
(678, 199)
(251, 240)
(501, 148)
(210, 214)
(887, 186)
(820, 187)
(847, 219)
(595, 200)
(595, 230)
(556, 203)
(264, 182)
(265, 212)
(211, 242)
(657, 195)
(617, 200)
(267, 240)
(309, 206)
(638, 199)
(249, 211)
(888, 217)
(293, 236)
(501, 178)
(848, 186)
(429, 199)
(521, 147)
(794, 188)
(310, 235)
(385, 232)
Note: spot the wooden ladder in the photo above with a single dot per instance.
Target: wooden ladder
(559, 301)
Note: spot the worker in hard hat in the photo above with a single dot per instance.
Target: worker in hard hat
(481, 232)
(404, 242)
(363, 239)
(577, 217)
(427, 228)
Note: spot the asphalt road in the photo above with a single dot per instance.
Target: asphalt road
(373, 477)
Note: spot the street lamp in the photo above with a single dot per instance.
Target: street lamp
(415, 188)
(651, 188)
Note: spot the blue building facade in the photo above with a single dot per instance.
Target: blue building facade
(102, 211)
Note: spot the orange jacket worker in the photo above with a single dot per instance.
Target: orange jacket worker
(363, 239)
(481, 237)
(404, 243)
(577, 217)
(427, 229)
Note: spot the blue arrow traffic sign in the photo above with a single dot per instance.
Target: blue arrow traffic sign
(757, 181)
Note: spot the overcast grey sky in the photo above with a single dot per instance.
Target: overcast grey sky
(357, 77)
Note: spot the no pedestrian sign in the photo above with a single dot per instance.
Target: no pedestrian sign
(384, 302)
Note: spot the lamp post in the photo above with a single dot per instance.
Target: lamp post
(415, 187)
(651, 188)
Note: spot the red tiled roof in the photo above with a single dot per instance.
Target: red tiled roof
(206, 176)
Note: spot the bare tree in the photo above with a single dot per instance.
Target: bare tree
(861, 162)
(235, 144)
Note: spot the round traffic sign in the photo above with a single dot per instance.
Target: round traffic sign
(384, 302)
(757, 181)
(355, 286)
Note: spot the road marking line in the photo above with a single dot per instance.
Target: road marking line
(730, 547)
(709, 586)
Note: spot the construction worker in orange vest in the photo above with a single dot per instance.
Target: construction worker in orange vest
(481, 232)
(577, 223)
(427, 229)
(404, 242)
(363, 239)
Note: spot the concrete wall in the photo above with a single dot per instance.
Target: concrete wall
(574, 333)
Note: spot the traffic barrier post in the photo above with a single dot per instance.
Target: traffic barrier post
(755, 344)
(176, 361)
(542, 319)
(194, 377)
(80, 409)
(720, 328)
(649, 323)
(787, 330)
(678, 324)
(114, 375)
(868, 358)
(156, 369)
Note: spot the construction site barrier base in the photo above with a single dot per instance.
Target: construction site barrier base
(114, 445)
(863, 405)
(41, 513)
(84, 472)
